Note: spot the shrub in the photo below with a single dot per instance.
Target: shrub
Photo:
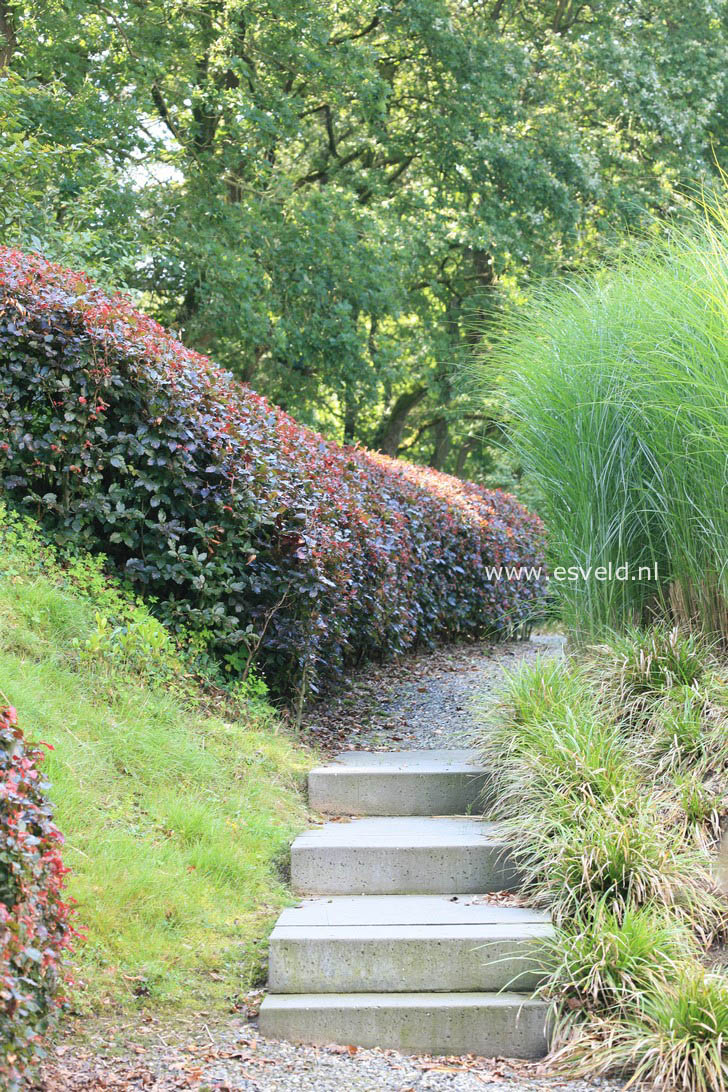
(245, 527)
(34, 920)
(616, 387)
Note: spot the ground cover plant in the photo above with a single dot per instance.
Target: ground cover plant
(176, 800)
(240, 525)
(611, 780)
(617, 390)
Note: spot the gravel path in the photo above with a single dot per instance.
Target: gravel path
(422, 701)
(236, 1059)
(427, 700)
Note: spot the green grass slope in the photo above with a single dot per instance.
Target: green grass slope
(177, 802)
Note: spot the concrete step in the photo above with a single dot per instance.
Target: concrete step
(398, 783)
(382, 943)
(391, 855)
(504, 1024)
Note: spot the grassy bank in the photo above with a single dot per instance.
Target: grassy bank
(612, 781)
(177, 802)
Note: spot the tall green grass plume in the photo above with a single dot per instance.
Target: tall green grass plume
(616, 386)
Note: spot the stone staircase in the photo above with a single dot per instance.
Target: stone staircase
(392, 946)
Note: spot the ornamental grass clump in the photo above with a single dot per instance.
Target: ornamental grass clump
(667, 689)
(541, 690)
(558, 768)
(605, 962)
(622, 853)
(676, 1037)
(688, 728)
(636, 668)
(537, 698)
(611, 788)
(701, 806)
(616, 389)
(685, 752)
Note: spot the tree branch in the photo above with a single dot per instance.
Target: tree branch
(322, 174)
(372, 25)
(439, 419)
(164, 113)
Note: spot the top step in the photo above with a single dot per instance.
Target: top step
(444, 782)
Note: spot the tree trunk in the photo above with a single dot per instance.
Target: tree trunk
(8, 41)
(189, 307)
(441, 451)
(389, 433)
(351, 413)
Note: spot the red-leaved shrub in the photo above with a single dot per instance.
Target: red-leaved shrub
(34, 920)
(241, 523)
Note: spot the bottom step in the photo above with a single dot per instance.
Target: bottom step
(501, 1024)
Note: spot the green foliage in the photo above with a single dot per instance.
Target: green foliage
(176, 801)
(336, 201)
(146, 643)
(610, 784)
(617, 390)
(125, 634)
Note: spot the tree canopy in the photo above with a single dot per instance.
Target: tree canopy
(336, 199)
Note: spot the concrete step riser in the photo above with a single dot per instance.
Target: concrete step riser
(444, 782)
(355, 793)
(411, 959)
(401, 855)
(416, 1023)
(416, 870)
